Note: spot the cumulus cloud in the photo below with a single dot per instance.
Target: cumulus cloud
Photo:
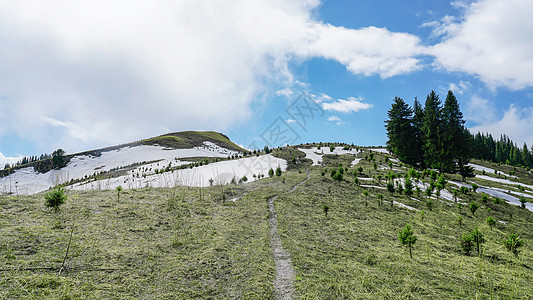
(90, 73)
(337, 121)
(349, 105)
(459, 88)
(516, 122)
(9, 160)
(492, 41)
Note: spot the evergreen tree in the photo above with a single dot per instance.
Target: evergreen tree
(453, 137)
(432, 131)
(418, 137)
(400, 131)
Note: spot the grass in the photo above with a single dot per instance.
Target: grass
(189, 139)
(213, 243)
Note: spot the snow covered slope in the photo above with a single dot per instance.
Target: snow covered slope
(138, 165)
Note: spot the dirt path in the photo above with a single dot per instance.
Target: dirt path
(283, 285)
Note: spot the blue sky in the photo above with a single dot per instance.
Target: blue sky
(108, 73)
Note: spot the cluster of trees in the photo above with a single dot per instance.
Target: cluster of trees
(26, 160)
(503, 150)
(433, 136)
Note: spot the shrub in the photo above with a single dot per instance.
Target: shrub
(466, 243)
(473, 207)
(325, 207)
(119, 189)
(478, 239)
(484, 198)
(380, 198)
(407, 238)
(513, 243)
(464, 190)
(429, 204)
(365, 194)
(474, 187)
(338, 177)
(408, 187)
(278, 171)
(55, 198)
(497, 200)
(270, 172)
(455, 194)
(244, 178)
(390, 187)
(491, 222)
(523, 201)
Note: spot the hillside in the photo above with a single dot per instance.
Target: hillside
(163, 161)
(218, 242)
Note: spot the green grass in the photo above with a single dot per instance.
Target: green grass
(189, 139)
(184, 243)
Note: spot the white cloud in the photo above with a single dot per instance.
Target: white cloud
(480, 110)
(9, 160)
(346, 106)
(291, 121)
(516, 122)
(338, 121)
(459, 88)
(109, 72)
(287, 92)
(492, 41)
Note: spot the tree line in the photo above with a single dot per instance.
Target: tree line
(433, 136)
(503, 150)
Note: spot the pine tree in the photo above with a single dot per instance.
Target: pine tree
(453, 137)
(400, 131)
(432, 130)
(418, 137)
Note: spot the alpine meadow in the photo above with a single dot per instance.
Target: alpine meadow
(296, 149)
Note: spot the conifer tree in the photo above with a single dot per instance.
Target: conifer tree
(432, 130)
(400, 131)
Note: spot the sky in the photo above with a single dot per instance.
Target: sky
(80, 75)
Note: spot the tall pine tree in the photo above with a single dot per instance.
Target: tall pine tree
(418, 136)
(432, 132)
(400, 131)
(453, 137)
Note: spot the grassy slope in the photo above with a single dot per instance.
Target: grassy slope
(355, 252)
(189, 139)
(174, 243)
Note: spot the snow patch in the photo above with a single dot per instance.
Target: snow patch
(315, 154)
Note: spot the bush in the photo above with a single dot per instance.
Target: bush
(119, 189)
(55, 198)
(390, 187)
(408, 187)
(464, 190)
(491, 222)
(473, 207)
(513, 243)
(407, 238)
(278, 171)
(474, 187)
(466, 243)
(478, 239)
(270, 172)
(523, 201)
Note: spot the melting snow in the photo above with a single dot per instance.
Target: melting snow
(315, 154)
(28, 181)
(488, 170)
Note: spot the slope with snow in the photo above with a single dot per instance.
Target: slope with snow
(28, 181)
(316, 154)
